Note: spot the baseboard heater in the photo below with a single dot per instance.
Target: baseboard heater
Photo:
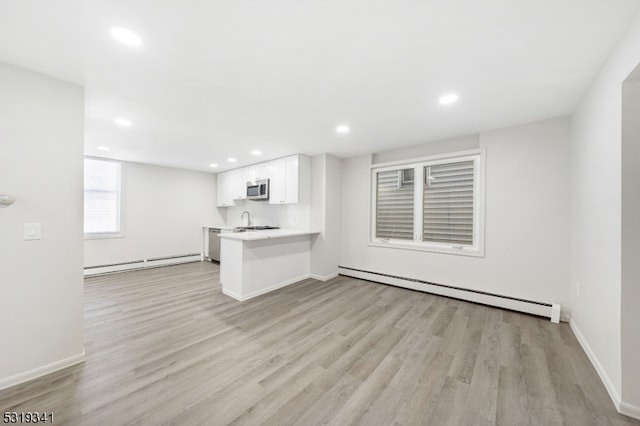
(549, 310)
(91, 271)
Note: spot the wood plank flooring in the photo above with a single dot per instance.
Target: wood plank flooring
(165, 346)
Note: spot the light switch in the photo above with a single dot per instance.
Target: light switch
(32, 231)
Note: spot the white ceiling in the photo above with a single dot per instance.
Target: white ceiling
(215, 79)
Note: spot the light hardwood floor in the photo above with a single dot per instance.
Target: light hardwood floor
(165, 346)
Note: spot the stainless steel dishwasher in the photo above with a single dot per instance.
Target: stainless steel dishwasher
(214, 244)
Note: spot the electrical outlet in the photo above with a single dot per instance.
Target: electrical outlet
(32, 231)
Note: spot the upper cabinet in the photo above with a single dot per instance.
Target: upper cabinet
(225, 199)
(284, 176)
(258, 171)
(283, 187)
(238, 184)
(231, 187)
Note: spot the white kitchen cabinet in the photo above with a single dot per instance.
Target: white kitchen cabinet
(253, 172)
(284, 176)
(283, 186)
(277, 184)
(258, 171)
(291, 178)
(238, 184)
(232, 186)
(225, 199)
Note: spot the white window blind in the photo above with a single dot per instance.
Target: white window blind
(395, 201)
(448, 203)
(102, 196)
(430, 204)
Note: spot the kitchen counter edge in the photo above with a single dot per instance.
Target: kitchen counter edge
(266, 234)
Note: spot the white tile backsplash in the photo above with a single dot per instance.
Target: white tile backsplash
(290, 216)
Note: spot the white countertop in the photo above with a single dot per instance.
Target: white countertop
(266, 234)
(226, 228)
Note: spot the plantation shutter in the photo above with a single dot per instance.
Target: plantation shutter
(394, 204)
(102, 196)
(448, 203)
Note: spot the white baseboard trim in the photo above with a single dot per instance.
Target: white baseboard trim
(323, 277)
(629, 410)
(41, 371)
(242, 298)
(141, 264)
(232, 294)
(613, 393)
(549, 310)
(623, 407)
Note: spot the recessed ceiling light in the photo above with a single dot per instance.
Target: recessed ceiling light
(231, 160)
(126, 36)
(123, 122)
(342, 129)
(256, 152)
(103, 148)
(448, 99)
(214, 165)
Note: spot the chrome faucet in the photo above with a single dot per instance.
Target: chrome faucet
(248, 217)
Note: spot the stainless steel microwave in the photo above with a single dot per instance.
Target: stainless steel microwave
(258, 189)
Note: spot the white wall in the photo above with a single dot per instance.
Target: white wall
(427, 149)
(333, 220)
(318, 212)
(596, 212)
(526, 233)
(41, 156)
(326, 215)
(630, 292)
(163, 213)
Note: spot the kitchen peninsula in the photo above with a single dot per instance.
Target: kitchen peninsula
(257, 262)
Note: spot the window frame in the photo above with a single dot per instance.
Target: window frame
(107, 235)
(418, 164)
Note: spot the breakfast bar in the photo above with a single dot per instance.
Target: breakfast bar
(257, 262)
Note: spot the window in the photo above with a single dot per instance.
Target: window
(102, 198)
(433, 204)
(394, 213)
(447, 216)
